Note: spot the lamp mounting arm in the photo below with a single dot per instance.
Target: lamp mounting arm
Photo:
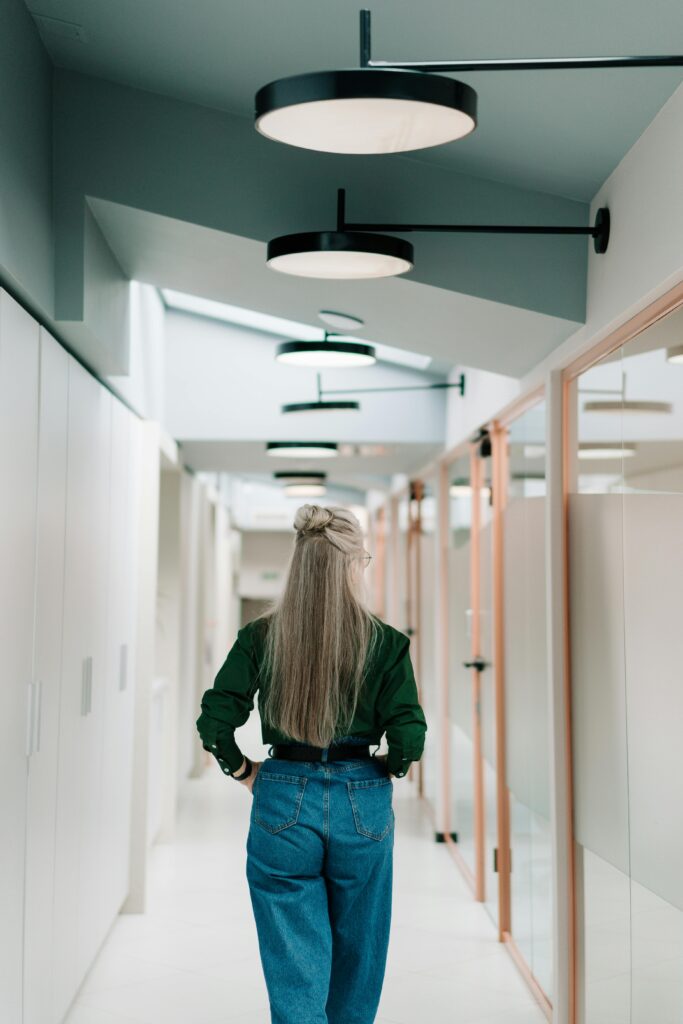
(459, 385)
(599, 231)
(511, 64)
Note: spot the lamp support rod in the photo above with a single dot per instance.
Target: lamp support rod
(599, 231)
(459, 384)
(512, 64)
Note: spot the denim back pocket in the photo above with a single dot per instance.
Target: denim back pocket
(371, 805)
(277, 800)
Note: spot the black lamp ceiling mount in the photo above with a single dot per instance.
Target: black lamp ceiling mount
(393, 106)
(358, 250)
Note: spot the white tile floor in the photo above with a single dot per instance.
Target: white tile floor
(193, 956)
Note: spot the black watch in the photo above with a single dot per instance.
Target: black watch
(247, 771)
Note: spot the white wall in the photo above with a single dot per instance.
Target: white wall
(143, 385)
(645, 255)
(485, 395)
(264, 561)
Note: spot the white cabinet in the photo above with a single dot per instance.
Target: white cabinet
(43, 760)
(19, 356)
(69, 525)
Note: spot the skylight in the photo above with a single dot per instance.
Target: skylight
(279, 326)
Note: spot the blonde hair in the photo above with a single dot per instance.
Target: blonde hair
(320, 634)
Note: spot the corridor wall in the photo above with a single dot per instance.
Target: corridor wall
(68, 555)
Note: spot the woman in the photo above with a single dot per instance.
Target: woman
(331, 680)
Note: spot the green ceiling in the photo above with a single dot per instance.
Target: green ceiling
(558, 132)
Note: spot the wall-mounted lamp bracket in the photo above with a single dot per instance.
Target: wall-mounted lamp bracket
(599, 231)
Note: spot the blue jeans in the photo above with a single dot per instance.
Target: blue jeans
(319, 867)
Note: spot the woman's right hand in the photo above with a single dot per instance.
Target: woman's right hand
(383, 759)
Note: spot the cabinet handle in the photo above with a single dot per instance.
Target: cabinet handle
(30, 700)
(89, 685)
(39, 714)
(123, 667)
(86, 686)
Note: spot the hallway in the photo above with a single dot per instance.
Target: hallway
(177, 963)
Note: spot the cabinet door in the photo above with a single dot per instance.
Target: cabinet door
(116, 745)
(19, 361)
(42, 766)
(81, 649)
(93, 811)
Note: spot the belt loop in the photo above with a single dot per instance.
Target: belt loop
(323, 754)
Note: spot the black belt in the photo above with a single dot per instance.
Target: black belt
(336, 752)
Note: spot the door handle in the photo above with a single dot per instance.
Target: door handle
(478, 664)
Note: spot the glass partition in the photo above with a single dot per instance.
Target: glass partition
(485, 675)
(526, 693)
(626, 566)
(426, 649)
(461, 718)
(401, 599)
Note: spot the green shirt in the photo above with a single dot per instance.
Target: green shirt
(388, 701)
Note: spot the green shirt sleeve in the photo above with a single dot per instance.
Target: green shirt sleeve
(228, 704)
(399, 712)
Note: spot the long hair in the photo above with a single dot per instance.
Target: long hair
(320, 635)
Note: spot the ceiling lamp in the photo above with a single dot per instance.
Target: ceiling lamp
(326, 353)
(321, 407)
(463, 489)
(302, 449)
(675, 354)
(340, 255)
(627, 406)
(606, 450)
(362, 111)
(340, 321)
(393, 106)
(302, 484)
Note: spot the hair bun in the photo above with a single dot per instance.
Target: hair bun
(312, 518)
